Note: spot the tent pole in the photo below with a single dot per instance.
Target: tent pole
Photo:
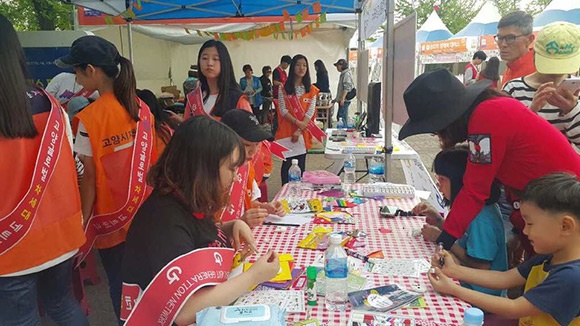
(130, 34)
(387, 84)
(359, 68)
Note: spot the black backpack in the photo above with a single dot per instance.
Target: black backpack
(351, 94)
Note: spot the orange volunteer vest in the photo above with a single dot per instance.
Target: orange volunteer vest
(54, 208)
(111, 133)
(286, 128)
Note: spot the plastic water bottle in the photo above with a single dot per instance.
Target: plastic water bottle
(350, 123)
(377, 169)
(336, 272)
(349, 171)
(340, 124)
(473, 317)
(294, 177)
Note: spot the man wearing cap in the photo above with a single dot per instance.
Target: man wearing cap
(248, 128)
(557, 55)
(507, 142)
(345, 85)
(472, 68)
(514, 38)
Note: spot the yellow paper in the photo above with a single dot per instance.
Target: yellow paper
(283, 275)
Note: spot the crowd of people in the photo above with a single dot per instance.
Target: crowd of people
(95, 162)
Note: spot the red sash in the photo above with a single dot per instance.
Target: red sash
(194, 104)
(299, 114)
(164, 297)
(140, 161)
(276, 149)
(15, 225)
(237, 191)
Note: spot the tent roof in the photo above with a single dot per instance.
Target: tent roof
(484, 23)
(192, 9)
(558, 10)
(433, 29)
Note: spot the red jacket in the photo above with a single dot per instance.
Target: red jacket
(510, 143)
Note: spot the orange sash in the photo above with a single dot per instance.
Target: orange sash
(15, 225)
(299, 114)
(108, 223)
(175, 283)
(234, 209)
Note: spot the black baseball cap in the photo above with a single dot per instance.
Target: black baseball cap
(342, 63)
(93, 50)
(246, 125)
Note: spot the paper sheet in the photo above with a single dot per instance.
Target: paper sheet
(294, 149)
(401, 267)
(289, 219)
(289, 300)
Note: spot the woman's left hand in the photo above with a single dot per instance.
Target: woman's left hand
(274, 207)
(241, 233)
(442, 283)
(301, 124)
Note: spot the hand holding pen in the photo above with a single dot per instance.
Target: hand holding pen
(445, 261)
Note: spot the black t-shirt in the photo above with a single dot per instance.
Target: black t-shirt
(162, 230)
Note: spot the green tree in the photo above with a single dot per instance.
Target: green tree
(33, 15)
(507, 6)
(537, 6)
(455, 14)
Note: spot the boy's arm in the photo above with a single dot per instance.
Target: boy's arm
(485, 278)
(505, 307)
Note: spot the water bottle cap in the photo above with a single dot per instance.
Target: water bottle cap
(473, 316)
(295, 161)
(311, 272)
(335, 239)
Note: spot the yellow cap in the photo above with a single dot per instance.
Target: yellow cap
(557, 49)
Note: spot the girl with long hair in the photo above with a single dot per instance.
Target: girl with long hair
(219, 88)
(40, 210)
(115, 141)
(483, 246)
(300, 86)
(191, 182)
(322, 82)
(163, 125)
(491, 72)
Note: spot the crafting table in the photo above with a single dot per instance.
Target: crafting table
(440, 310)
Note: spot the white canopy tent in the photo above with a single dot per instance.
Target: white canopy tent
(558, 10)
(484, 23)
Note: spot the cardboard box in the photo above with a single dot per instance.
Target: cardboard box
(173, 90)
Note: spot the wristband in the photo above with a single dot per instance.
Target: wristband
(446, 239)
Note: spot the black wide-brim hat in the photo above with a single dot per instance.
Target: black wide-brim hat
(435, 100)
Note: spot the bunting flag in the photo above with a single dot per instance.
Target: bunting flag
(138, 5)
(276, 29)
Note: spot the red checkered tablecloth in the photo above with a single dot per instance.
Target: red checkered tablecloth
(440, 310)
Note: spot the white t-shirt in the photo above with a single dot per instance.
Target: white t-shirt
(209, 103)
(64, 86)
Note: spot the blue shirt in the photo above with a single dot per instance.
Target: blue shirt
(485, 240)
(554, 289)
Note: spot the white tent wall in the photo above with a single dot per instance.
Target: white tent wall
(160, 63)
(152, 57)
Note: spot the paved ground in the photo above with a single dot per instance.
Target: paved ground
(98, 296)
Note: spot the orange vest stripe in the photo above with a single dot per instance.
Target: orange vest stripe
(285, 127)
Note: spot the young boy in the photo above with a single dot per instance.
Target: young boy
(247, 126)
(550, 207)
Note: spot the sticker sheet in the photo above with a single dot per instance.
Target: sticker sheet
(289, 300)
(401, 267)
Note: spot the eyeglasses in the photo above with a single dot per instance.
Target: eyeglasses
(509, 39)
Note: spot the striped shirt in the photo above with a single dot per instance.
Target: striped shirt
(568, 124)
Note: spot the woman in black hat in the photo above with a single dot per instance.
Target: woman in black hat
(506, 142)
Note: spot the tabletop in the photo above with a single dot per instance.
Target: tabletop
(401, 150)
(440, 310)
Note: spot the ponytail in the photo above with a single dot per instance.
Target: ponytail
(125, 88)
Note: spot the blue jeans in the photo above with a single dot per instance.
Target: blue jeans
(19, 296)
(112, 259)
(343, 112)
